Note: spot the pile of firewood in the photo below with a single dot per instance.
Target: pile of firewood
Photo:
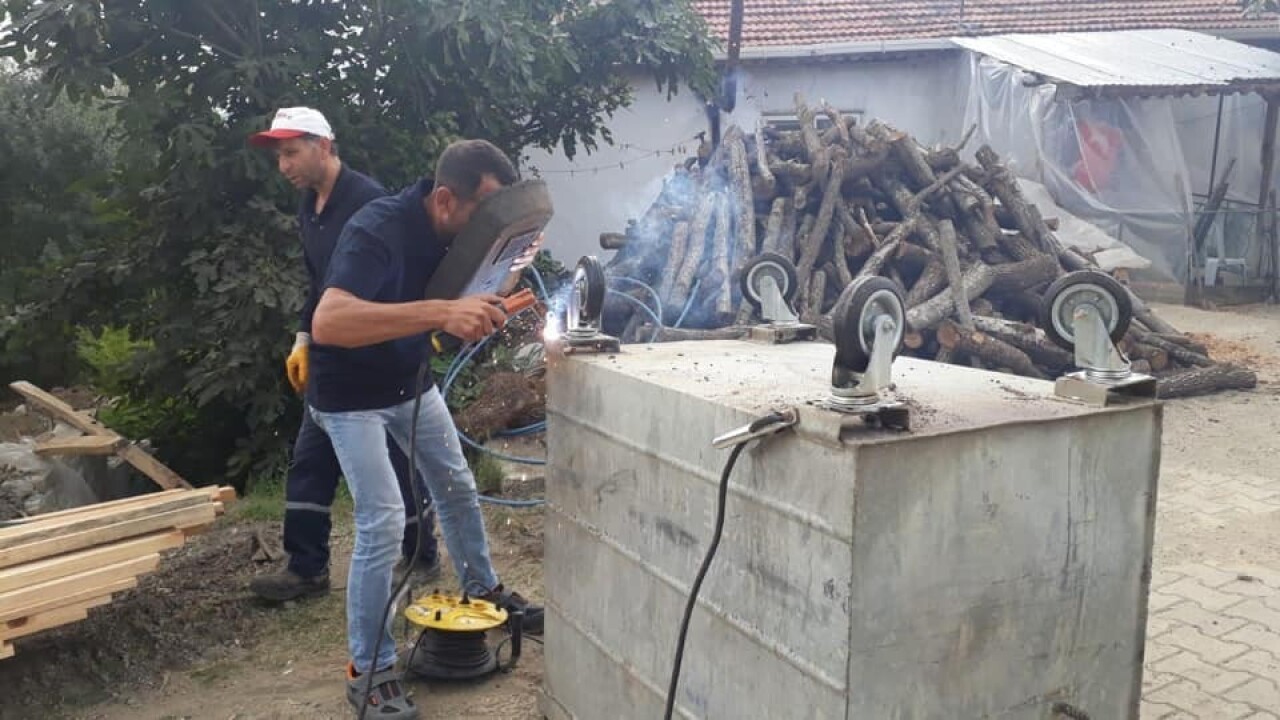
(848, 201)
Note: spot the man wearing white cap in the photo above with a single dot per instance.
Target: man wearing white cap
(332, 192)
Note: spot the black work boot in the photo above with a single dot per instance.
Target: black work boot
(512, 601)
(426, 571)
(288, 585)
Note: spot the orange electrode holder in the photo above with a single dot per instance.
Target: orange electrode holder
(511, 305)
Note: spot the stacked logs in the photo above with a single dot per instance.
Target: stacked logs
(845, 201)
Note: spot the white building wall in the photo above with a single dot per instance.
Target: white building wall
(599, 192)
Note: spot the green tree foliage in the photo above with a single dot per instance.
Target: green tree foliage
(1256, 8)
(55, 161)
(202, 261)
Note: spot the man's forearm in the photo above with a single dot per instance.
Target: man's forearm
(345, 320)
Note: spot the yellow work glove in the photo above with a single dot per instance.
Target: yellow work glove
(296, 366)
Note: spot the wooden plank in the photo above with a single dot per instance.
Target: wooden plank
(6, 651)
(132, 454)
(21, 600)
(80, 596)
(59, 410)
(51, 619)
(134, 500)
(152, 468)
(36, 530)
(197, 515)
(80, 445)
(223, 494)
(72, 563)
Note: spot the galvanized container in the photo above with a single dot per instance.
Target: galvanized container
(994, 561)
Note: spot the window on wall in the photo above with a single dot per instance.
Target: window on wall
(789, 121)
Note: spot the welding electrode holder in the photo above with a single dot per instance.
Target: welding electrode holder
(443, 342)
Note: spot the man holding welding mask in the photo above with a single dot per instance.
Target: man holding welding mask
(306, 154)
(370, 333)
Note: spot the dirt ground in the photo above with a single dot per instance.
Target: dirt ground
(192, 643)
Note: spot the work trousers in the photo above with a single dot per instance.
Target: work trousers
(358, 438)
(310, 487)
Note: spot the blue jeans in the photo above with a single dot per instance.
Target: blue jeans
(310, 486)
(359, 438)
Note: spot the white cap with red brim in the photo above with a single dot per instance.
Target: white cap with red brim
(294, 122)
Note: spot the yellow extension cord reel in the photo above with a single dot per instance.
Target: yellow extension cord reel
(453, 640)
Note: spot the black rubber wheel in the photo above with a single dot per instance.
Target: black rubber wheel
(780, 268)
(588, 289)
(1084, 286)
(853, 319)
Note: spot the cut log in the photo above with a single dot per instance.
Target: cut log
(976, 281)
(816, 238)
(931, 282)
(682, 334)
(765, 185)
(1176, 352)
(1002, 183)
(505, 397)
(817, 152)
(744, 206)
(1205, 380)
(1156, 359)
(951, 262)
(993, 351)
(721, 257)
(1029, 339)
(875, 264)
(1183, 340)
(773, 226)
(676, 256)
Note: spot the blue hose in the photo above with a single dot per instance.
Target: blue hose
(657, 301)
(693, 293)
(657, 322)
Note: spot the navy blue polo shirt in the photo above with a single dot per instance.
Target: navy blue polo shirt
(387, 253)
(320, 231)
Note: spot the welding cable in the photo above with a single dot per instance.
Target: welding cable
(721, 501)
(657, 322)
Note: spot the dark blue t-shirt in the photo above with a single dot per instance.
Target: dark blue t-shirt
(320, 231)
(387, 253)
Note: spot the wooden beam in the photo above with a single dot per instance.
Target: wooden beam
(134, 455)
(79, 596)
(6, 651)
(81, 445)
(33, 573)
(20, 600)
(37, 530)
(185, 517)
(223, 494)
(54, 618)
(1268, 149)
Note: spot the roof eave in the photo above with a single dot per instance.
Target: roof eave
(915, 45)
(830, 50)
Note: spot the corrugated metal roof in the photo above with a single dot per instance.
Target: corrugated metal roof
(1134, 60)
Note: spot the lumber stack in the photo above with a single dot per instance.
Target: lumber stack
(972, 255)
(55, 567)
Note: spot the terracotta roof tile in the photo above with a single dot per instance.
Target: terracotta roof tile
(820, 22)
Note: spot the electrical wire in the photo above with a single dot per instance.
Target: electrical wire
(721, 501)
(419, 387)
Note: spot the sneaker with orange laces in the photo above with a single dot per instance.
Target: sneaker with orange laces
(387, 699)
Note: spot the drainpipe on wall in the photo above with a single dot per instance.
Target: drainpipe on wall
(729, 76)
